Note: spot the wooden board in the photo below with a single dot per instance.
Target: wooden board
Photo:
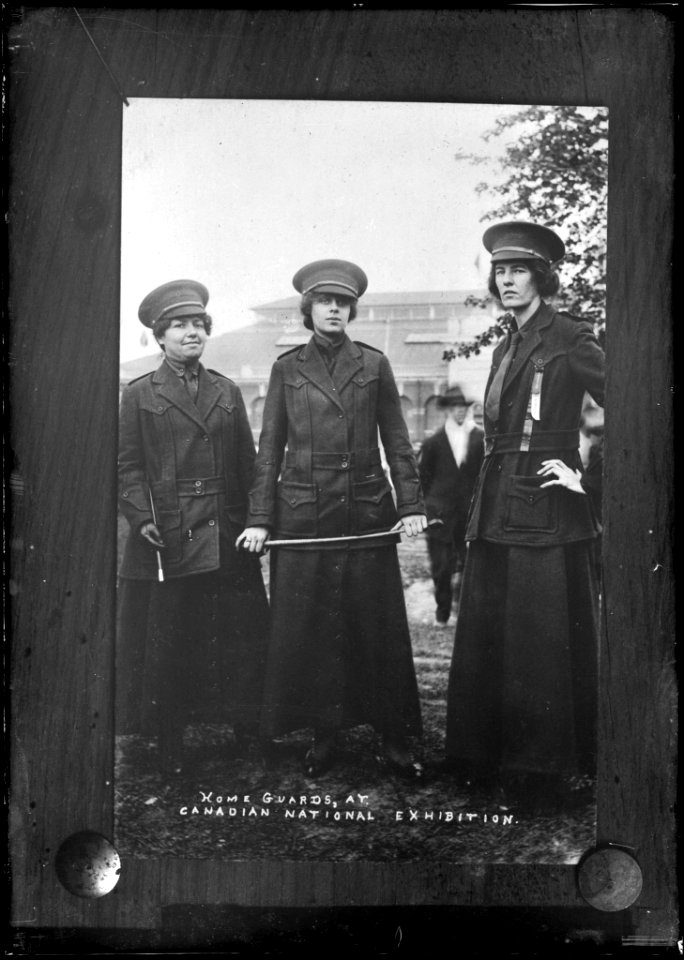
(64, 215)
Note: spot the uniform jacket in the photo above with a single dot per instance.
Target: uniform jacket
(331, 482)
(196, 458)
(447, 487)
(508, 505)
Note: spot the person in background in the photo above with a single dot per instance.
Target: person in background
(340, 651)
(522, 695)
(186, 461)
(449, 464)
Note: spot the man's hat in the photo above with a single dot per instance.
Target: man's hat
(178, 298)
(453, 397)
(331, 276)
(520, 240)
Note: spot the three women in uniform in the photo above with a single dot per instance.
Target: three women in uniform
(523, 680)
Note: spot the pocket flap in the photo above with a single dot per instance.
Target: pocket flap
(364, 379)
(296, 381)
(297, 494)
(157, 405)
(371, 490)
(527, 489)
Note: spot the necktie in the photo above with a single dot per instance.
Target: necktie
(493, 400)
(191, 383)
(329, 353)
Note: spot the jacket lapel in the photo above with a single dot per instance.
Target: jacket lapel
(170, 386)
(313, 367)
(349, 362)
(208, 395)
(528, 345)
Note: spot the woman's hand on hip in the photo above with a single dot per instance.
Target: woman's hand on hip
(252, 539)
(565, 476)
(414, 523)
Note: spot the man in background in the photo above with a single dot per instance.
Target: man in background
(449, 463)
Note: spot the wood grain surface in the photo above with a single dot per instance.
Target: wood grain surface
(65, 116)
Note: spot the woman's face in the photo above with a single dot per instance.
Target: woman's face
(330, 314)
(516, 285)
(184, 339)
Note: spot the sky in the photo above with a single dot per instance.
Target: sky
(239, 194)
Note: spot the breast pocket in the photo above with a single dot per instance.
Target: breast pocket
(297, 509)
(155, 405)
(530, 508)
(373, 505)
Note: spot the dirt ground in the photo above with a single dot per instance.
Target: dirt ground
(225, 807)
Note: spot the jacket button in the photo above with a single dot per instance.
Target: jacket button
(340, 416)
(342, 499)
(160, 409)
(125, 496)
(205, 437)
(531, 499)
(198, 483)
(293, 500)
(212, 523)
(499, 468)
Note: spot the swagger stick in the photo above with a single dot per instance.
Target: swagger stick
(397, 528)
(160, 568)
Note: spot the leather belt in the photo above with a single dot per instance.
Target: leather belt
(338, 461)
(200, 487)
(540, 440)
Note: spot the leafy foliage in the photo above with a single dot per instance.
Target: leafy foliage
(556, 173)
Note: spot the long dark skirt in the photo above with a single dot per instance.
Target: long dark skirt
(191, 649)
(523, 691)
(340, 651)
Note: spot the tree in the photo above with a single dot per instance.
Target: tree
(555, 172)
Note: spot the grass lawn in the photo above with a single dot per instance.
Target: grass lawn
(250, 808)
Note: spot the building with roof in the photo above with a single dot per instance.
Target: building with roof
(412, 329)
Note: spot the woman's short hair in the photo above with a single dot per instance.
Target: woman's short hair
(545, 278)
(160, 326)
(308, 299)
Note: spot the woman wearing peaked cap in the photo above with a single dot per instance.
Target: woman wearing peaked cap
(186, 459)
(340, 651)
(522, 695)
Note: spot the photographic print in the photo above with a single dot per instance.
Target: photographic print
(219, 717)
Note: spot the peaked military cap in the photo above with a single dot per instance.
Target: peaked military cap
(453, 397)
(178, 298)
(520, 240)
(331, 276)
